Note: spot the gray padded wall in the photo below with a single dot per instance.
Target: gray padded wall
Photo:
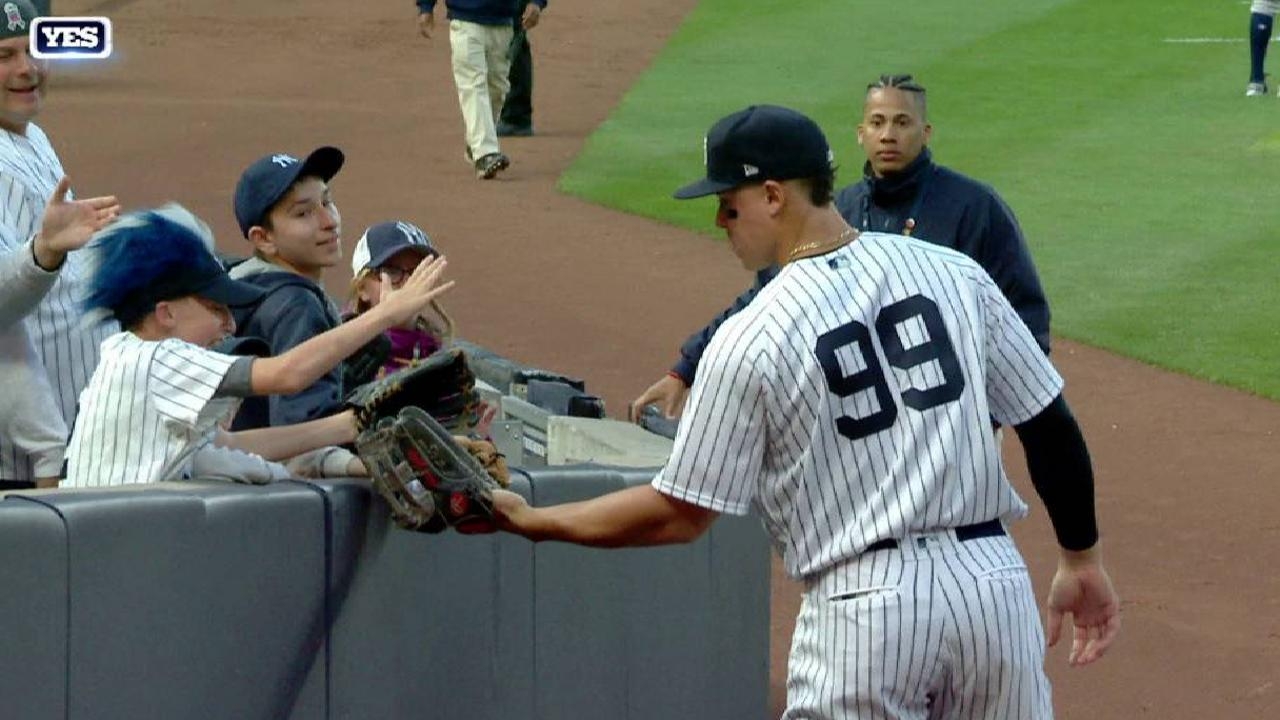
(302, 601)
(691, 635)
(578, 593)
(200, 603)
(33, 611)
(434, 626)
(721, 644)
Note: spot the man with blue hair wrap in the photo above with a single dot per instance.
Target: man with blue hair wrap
(159, 403)
(46, 352)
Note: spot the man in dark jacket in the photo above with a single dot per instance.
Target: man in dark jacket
(516, 119)
(284, 208)
(902, 192)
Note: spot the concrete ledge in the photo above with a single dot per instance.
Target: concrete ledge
(573, 440)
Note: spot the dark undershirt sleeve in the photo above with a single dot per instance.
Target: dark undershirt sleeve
(238, 380)
(1058, 461)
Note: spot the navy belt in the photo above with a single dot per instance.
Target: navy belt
(964, 533)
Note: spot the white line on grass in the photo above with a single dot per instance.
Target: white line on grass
(1204, 40)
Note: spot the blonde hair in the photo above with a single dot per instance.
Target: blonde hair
(443, 331)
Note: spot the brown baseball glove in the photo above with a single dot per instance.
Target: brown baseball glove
(442, 384)
(428, 479)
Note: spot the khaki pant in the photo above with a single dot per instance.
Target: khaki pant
(480, 65)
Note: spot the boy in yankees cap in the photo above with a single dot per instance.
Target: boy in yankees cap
(284, 207)
(158, 401)
(848, 405)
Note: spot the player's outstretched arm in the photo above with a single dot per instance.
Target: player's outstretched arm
(302, 365)
(634, 517)
(1082, 589)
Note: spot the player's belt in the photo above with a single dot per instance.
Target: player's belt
(964, 533)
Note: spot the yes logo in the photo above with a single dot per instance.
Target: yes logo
(71, 37)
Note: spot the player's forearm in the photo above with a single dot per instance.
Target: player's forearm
(285, 441)
(637, 516)
(1058, 462)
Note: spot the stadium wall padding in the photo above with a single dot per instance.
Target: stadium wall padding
(302, 600)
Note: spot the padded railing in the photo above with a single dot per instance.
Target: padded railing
(301, 600)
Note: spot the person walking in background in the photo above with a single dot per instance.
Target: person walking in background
(516, 119)
(480, 33)
(1262, 13)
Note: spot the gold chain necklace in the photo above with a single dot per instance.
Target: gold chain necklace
(844, 237)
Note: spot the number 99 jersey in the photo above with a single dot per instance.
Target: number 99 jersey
(851, 402)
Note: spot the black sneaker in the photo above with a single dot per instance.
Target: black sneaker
(491, 164)
(509, 130)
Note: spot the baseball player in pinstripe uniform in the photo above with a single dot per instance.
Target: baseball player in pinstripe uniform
(849, 405)
(157, 405)
(46, 353)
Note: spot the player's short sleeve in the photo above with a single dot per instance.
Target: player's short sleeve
(718, 456)
(183, 380)
(1021, 381)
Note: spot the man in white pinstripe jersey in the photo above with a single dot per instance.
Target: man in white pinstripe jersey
(46, 355)
(849, 404)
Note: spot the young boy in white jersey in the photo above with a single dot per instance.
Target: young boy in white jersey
(849, 405)
(157, 405)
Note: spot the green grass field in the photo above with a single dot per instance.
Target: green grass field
(1142, 176)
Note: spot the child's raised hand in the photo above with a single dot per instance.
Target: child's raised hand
(406, 302)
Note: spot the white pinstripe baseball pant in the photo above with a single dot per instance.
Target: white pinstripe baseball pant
(937, 628)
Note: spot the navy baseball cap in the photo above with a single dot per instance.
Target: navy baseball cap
(762, 142)
(381, 241)
(266, 181)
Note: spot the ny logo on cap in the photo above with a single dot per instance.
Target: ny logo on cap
(14, 16)
(415, 235)
(283, 160)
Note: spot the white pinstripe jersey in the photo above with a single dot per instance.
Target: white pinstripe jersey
(850, 402)
(148, 406)
(67, 350)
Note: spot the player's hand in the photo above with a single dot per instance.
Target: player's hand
(69, 224)
(426, 24)
(403, 304)
(532, 13)
(1082, 589)
(669, 393)
(510, 509)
